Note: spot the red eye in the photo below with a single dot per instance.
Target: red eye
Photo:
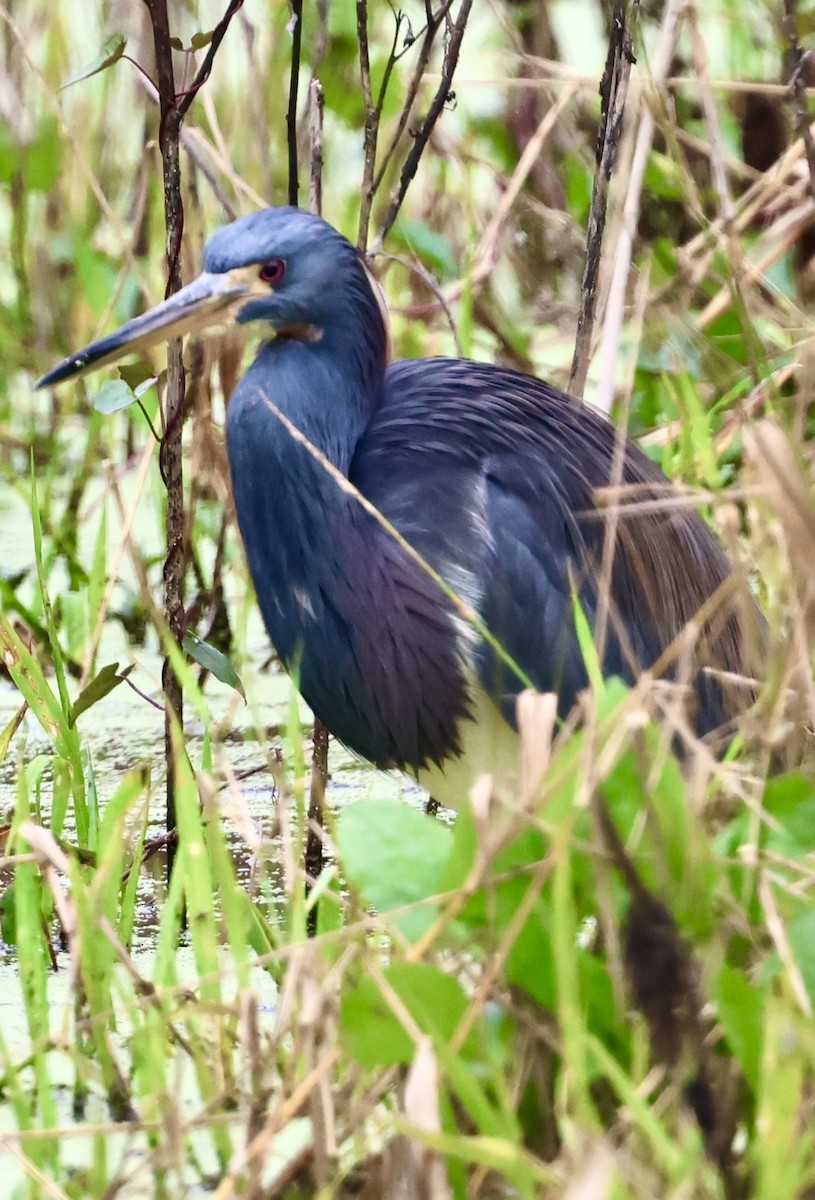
(273, 271)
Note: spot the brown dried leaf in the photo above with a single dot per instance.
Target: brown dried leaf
(421, 1104)
(536, 714)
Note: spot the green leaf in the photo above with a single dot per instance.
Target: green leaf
(136, 373)
(530, 963)
(395, 856)
(671, 851)
(113, 396)
(741, 1012)
(8, 733)
(145, 386)
(199, 40)
(430, 246)
(102, 683)
(664, 178)
(73, 609)
(373, 1032)
(8, 916)
(801, 936)
(11, 155)
(212, 660)
(790, 801)
(30, 681)
(585, 640)
(110, 53)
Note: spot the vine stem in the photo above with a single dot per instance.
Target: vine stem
(172, 108)
(315, 846)
(171, 458)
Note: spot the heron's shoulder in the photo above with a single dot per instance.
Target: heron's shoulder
(487, 401)
(475, 411)
(467, 381)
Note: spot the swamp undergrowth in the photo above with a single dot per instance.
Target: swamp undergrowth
(604, 987)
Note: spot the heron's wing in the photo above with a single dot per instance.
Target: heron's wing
(536, 574)
(495, 477)
(503, 535)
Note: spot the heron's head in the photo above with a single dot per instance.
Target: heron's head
(281, 266)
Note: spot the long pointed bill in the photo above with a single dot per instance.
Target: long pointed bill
(208, 300)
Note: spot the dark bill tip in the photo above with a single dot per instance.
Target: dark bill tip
(210, 299)
(105, 350)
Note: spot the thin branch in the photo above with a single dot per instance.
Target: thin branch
(205, 70)
(291, 112)
(373, 114)
(314, 854)
(615, 303)
(613, 90)
(417, 268)
(802, 65)
(143, 695)
(316, 107)
(455, 31)
(429, 34)
(486, 254)
(150, 426)
(194, 144)
(172, 110)
(371, 130)
(171, 459)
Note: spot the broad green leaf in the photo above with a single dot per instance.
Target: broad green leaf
(790, 801)
(395, 856)
(671, 851)
(801, 935)
(430, 246)
(372, 1031)
(74, 613)
(113, 396)
(11, 154)
(741, 1012)
(136, 373)
(8, 916)
(102, 683)
(212, 660)
(110, 53)
(43, 157)
(8, 733)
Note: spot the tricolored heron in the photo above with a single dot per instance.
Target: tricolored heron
(491, 475)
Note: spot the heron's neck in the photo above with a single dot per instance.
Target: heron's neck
(287, 502)
(292, 512)
(327, 388)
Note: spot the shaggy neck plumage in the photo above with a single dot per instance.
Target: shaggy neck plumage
(327, 383)
(290, 510)
(365, 632)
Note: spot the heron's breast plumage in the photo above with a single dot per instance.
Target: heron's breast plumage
(366, 632)
(492, 477)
